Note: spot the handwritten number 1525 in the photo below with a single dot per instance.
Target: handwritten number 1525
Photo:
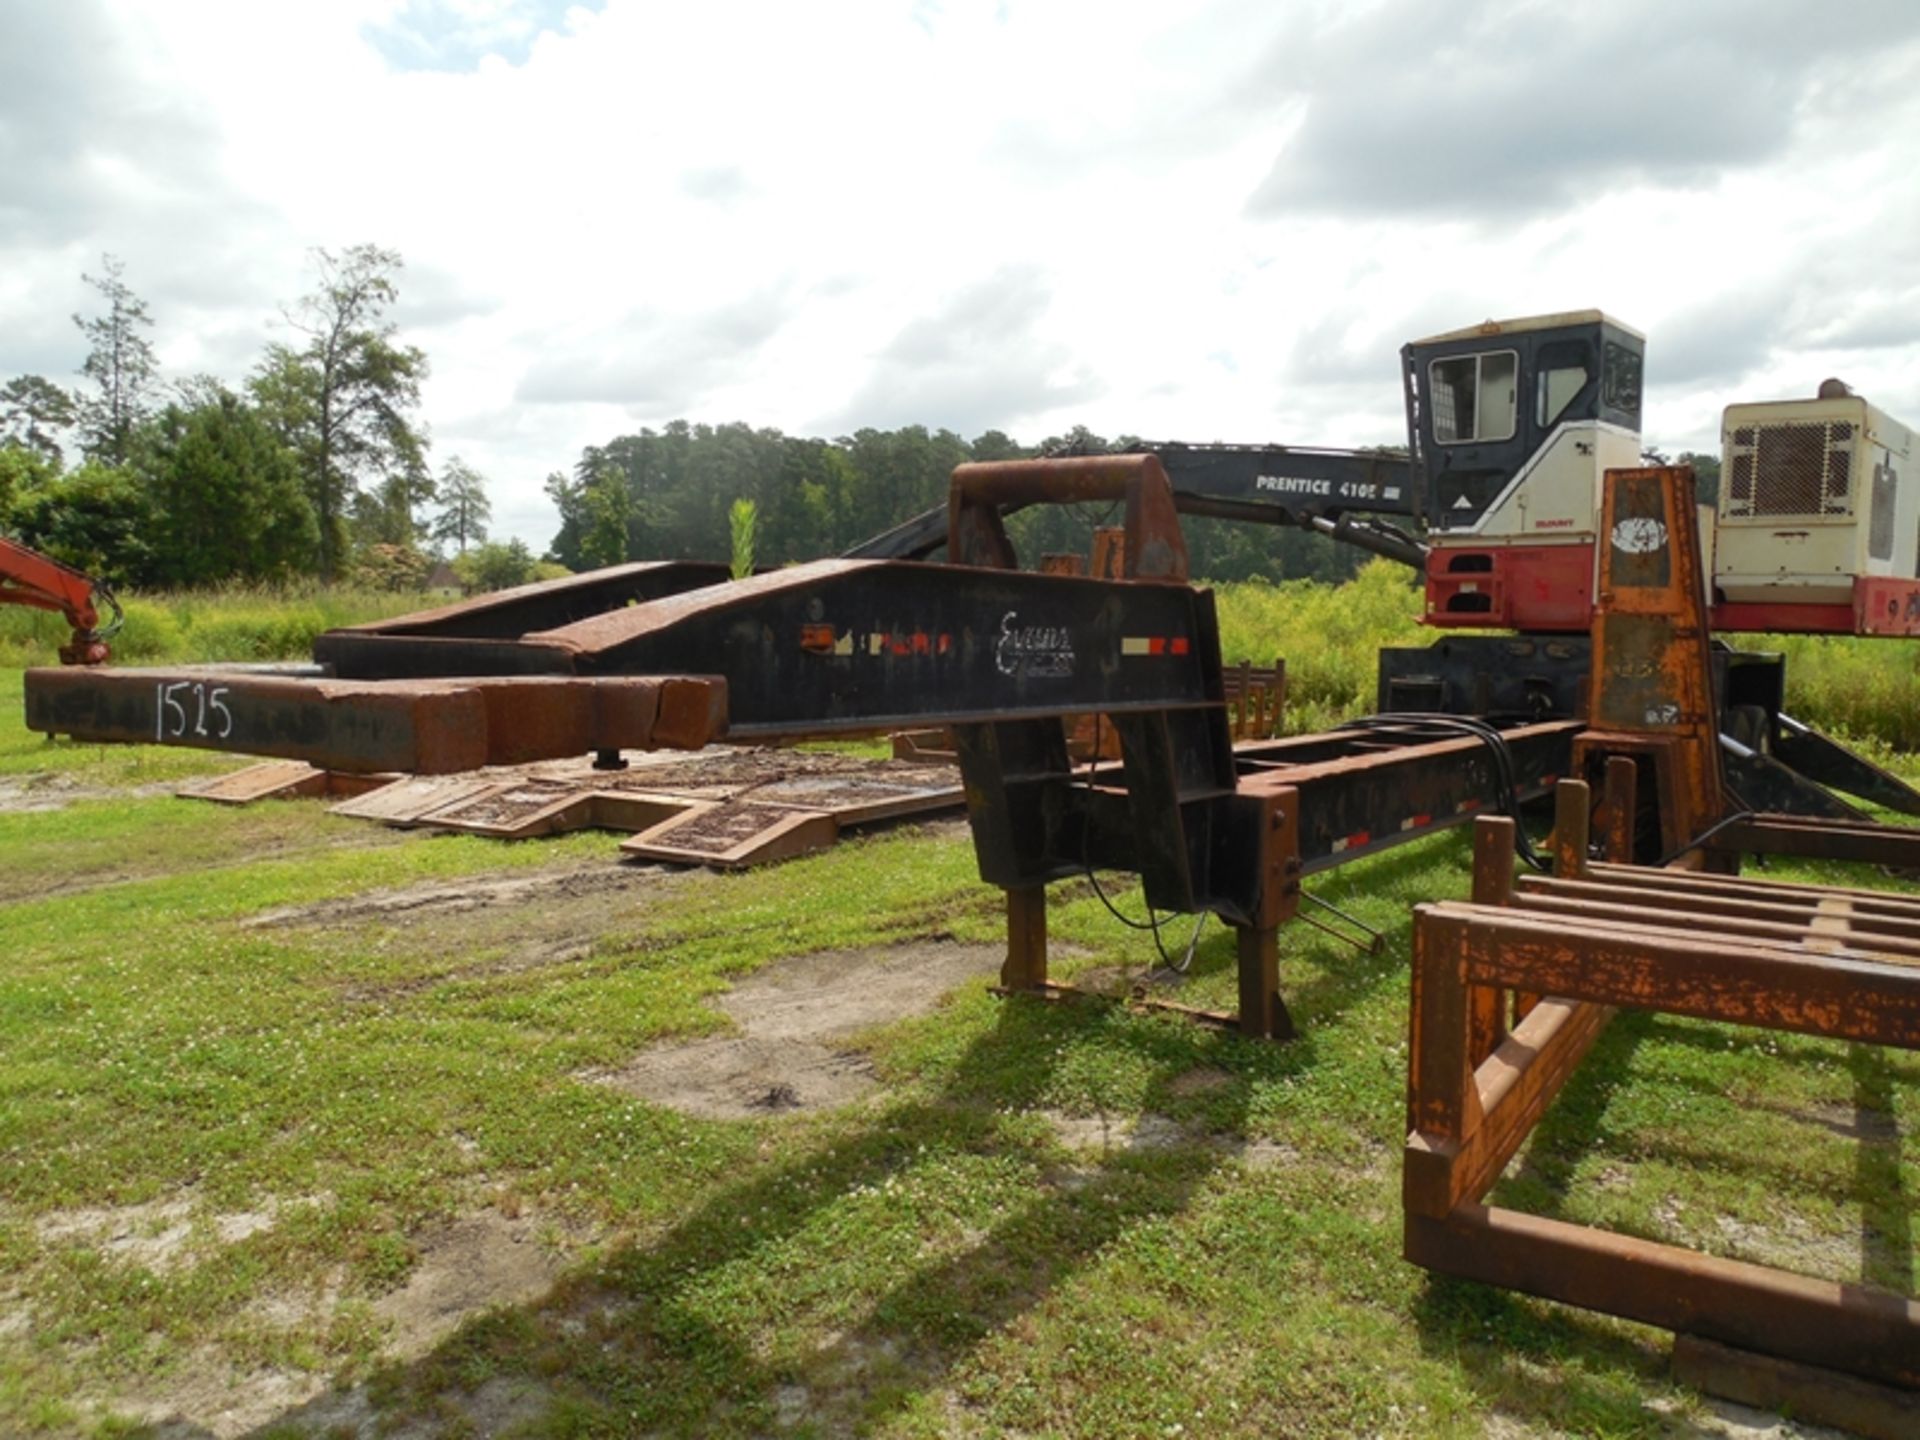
(171, 717)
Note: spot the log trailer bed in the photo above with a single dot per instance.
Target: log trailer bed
(674, 656)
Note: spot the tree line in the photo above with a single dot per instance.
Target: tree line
(315, 466)
(668, 493)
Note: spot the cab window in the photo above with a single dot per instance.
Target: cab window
(1562, 370)
(1474, 397)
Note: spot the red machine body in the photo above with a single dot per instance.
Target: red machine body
(29, 578)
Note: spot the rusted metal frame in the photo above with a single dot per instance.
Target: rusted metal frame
(827, 648)
(1829, 933)
(1651, 683)
(1155, 547)
(1296, 752)
(1821, 761)
(847, 645)
(1455, 1149)
(1885, 902)
(1357, 805)
(1465, 1130)
(1498, 1105)
(1843, 1327)
(1475, 1090)
(1493, 864)
(1894, 845)
(544, 605)
(1025, 967)
(1680, 971)
(1572, 840)
(1256, 899)
(1811, 1394)
(1825, 920)
(1276, 899)
(1625, 755)
(1619, 802)
(425, 727)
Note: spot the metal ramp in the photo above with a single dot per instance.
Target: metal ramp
(725, 807)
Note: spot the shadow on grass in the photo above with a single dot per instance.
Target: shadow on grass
(1886, 1220)
(634, 1345)
(1545, 1364)
(1506, 1342)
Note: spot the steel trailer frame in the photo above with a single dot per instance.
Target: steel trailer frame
(1511, 989)
(1812, 960)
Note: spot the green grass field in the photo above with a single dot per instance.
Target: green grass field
(262, 1106)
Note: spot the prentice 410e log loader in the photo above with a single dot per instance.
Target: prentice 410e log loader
(1511, 426)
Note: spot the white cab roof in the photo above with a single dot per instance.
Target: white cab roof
(1530, 322)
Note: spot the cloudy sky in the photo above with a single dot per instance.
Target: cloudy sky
(1196, 221)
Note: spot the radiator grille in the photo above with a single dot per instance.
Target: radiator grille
(1798, 468)
(1880, 517)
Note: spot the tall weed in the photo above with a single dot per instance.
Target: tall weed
(244, 623)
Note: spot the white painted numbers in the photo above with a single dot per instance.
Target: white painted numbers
(172, 713)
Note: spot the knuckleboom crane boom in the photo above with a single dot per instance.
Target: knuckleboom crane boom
(1511, 428)
(29, 578)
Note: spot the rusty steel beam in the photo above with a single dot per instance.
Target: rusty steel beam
(1666, 886)
(1809, 1393)
(1825, 921)
(425, 727)
(1860, 840)
(1683, 968)
(1358, 797)
(1843, 1327)
(1155, 548)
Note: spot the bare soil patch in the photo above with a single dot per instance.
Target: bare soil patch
(436, 900)
(463, 1268)
(37, 793)
(1138, 1134)
(496, 924)
(797, 1022)
(472, 1264)
(159, 1235)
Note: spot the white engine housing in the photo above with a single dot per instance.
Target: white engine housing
(1813, 493)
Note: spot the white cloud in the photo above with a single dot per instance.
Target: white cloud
(1206, 222)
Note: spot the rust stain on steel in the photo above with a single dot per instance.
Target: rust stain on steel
(1154, 547)
(1808, 1393)
(598, 633)
(1844, 1327)
(426, 727)
(1651, 683)
(1682, 967)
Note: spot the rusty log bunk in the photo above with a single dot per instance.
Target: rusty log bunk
(1512, 988)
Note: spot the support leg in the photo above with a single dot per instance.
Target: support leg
(1619, 793)
(1262, 1012)
(1025, 967)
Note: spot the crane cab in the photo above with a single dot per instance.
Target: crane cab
(1818, 518)
(1511, 425)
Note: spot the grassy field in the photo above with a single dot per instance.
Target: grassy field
(312, 1128)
